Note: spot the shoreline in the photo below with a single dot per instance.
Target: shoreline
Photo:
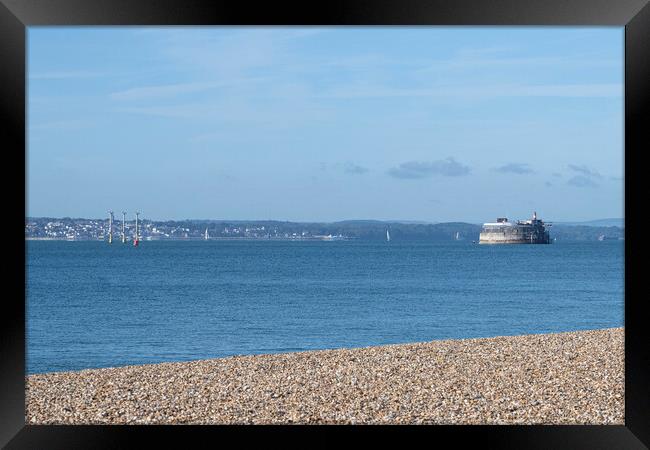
(560, 378)
(201, 239)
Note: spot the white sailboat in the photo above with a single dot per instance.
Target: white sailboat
(387, 236)
(207, 236)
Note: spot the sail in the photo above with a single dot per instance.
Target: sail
(387, 236)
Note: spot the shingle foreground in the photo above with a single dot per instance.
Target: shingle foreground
(564, 378)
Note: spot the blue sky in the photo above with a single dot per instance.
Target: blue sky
(322, 124)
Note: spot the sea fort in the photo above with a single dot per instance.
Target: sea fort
(532, 231)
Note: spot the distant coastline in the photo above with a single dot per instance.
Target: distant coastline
(182, 239)
(80, 229)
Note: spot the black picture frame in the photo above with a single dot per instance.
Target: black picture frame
(16, 15)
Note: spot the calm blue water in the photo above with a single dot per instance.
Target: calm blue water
(90, 304)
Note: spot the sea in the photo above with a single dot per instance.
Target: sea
(93, 305)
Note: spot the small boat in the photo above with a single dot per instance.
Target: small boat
(207, 236)
(387, 236)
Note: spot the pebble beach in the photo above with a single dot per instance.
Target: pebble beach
(561, 378)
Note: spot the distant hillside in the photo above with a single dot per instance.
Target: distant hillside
(408, 231)
(585, 233)
(360, 222)
(597, 223)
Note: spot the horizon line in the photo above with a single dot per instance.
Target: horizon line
(403, 221)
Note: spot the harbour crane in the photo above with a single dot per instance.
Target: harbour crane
(123, 233)
(110, 227)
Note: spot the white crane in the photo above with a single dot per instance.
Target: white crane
(110, 227)
(123, 233)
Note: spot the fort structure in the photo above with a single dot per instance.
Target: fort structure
(532, 231)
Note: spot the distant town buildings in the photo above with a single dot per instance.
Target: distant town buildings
(94, 229)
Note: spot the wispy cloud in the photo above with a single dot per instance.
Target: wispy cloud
(207, 137)
(233, 53)
(569, 90)
(581, 181)
(161, 91)
(64, 75)
(422, 169)
(513, 56)
(515, 168)
(354, 169)
(347, 167)
(186, 111)
(583, 169)
(60, 125)
(363, 90)
(468, 61)
(171, 90)
(586, 178)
